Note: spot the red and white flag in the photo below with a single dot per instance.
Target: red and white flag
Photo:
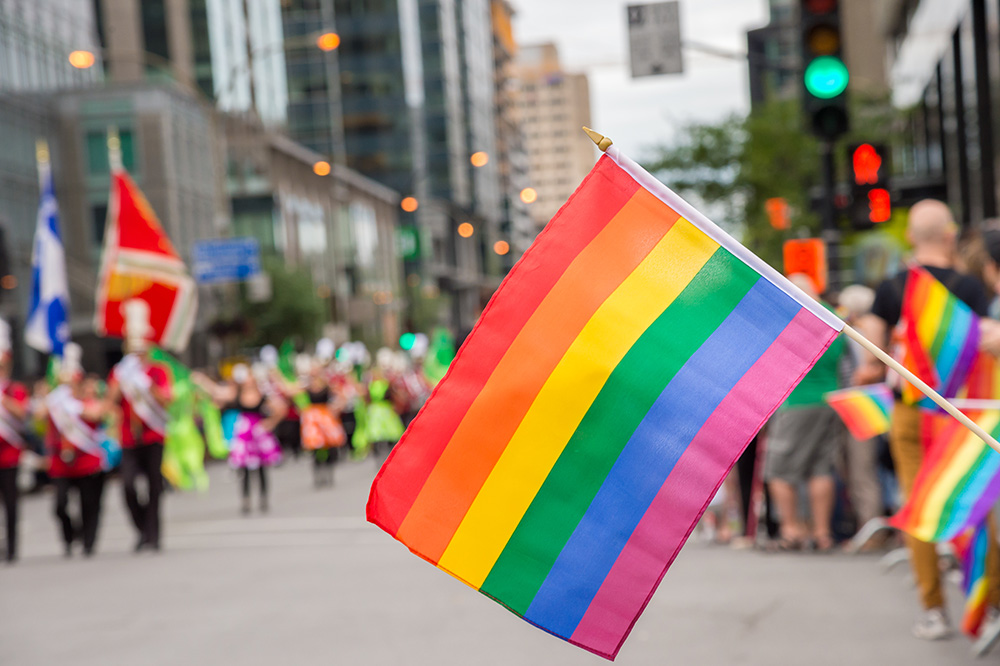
(139, 261)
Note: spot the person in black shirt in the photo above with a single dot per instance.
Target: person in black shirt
(932, 232)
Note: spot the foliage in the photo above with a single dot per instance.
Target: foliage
(735, 165)
(294, 310)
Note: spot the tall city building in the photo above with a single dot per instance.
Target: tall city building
(773, 54)
(517, 227)
(36, 38)
(203, 45)
(233, 54)
(554, 105)
(409, 97)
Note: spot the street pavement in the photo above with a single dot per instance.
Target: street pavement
(311, 582)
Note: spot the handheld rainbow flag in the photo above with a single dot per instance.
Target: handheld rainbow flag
(609, 386)
(958, 482)
(139, 261)
(865, 410)
(970, 549)
(940, 334)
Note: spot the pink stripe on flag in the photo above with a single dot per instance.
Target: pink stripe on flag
(677, 507)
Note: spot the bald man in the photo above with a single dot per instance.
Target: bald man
(932, 232)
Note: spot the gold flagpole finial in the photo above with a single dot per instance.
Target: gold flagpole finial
(114, 148)
(602, 141)
(41, 151)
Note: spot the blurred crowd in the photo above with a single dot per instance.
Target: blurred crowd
(73, 430)
(805, 484)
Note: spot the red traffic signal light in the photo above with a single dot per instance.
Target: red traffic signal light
(879, 205)
(871, 201)
(867, 165)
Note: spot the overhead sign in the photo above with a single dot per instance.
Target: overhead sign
(222, 260)
(654, 37)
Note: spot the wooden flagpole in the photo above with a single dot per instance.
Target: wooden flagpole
(924, 388)
(604, 143)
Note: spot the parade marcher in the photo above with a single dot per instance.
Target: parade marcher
(346, 401)
(409, 386)
(142, 388)
(250, 414)
(322, 432)
(804, 439)
(931, 231)
(14, 403)
(77, 456)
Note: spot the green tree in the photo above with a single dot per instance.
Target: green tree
(732, 167)
(294, 310)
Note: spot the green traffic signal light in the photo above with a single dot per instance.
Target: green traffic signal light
(826, 77)
(406, 341)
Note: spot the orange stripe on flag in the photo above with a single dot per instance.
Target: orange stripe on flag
(484, 432)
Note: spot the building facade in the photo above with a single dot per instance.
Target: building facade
(945, 75)
(341, 227)
(170, 148)
(206, 45)
(246, 56)
(36, 38)
(517, 228)
(554, 105)
(410, 96)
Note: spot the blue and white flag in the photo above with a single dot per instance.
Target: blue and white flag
(47, 328)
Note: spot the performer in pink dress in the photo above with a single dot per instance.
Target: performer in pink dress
(250, 415)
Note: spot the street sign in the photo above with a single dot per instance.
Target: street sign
(807, 255)
(408, 242)
(654, 37)
(222, 260)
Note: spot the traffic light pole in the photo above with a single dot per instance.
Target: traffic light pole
(829, 211)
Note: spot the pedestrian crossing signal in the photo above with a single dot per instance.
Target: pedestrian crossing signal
(871, 202)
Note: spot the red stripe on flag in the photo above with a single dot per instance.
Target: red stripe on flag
(589, 210)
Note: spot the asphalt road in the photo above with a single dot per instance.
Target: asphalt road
(311, 582)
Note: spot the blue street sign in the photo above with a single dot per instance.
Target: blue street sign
(225, 260)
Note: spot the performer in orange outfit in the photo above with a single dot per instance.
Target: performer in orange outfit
(322, 431)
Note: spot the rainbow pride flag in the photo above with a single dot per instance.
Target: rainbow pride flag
(970, 549)
(958, 481)
(865, 410)
(940, 334)
(609, 386)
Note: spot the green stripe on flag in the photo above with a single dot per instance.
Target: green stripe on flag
(621, 405)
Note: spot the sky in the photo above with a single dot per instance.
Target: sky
(592, 37)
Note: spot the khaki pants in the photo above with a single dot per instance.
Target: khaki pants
(907, 455)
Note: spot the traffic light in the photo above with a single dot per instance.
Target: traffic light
(871, 202)
(824, 74)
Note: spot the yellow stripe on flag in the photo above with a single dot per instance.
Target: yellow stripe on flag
(931, 315)
(870, 413)
(567, 395)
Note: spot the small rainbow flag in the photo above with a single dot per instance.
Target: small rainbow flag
(609, 386)
(940, 334)
(958, 482)
(970, 549)
(865, 410)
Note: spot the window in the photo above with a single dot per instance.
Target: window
(97, 151)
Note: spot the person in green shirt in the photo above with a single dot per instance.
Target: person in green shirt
(804, 437)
